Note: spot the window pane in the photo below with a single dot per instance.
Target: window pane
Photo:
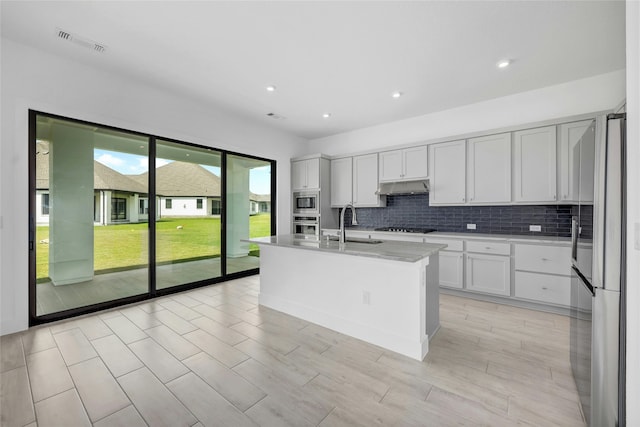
(248, 210)
(187, 236)
(91, 241)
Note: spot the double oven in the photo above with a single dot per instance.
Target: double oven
(306, 213)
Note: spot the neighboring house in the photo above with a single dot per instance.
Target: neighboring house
(260, 203)
(183, 190)
(117, 198)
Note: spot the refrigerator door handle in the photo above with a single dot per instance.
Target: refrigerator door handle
(574, 239)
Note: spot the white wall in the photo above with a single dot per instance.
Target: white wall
(33, 79)
(183, 206)
(578, 97)
(633, 212)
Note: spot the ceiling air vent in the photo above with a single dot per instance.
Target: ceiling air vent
(81, 41)
(275, 116)
(64, 35)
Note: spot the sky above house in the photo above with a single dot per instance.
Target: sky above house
(132, 164)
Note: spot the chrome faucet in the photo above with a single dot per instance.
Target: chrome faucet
(354, 220)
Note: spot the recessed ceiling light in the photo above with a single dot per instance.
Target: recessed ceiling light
(396, 94)
(503, 63)
(326, 115)
(271, 88)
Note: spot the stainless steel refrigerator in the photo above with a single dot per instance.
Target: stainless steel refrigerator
(597, 271)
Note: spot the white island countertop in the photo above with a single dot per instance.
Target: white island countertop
(382, 249)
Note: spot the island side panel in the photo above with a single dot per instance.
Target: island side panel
(432, 299)
(332, 290)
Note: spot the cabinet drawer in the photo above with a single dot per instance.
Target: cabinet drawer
(495, 248)
(543, 288)
(452, 245)
(545, 259)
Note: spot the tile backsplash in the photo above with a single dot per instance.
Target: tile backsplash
(414, 211)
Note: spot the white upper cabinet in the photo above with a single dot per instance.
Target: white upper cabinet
(535, 165)
(489, 169)
(404, 165)
(305, 174)
(341, 182)
(447, 166)
(568, 158)
(365, 181)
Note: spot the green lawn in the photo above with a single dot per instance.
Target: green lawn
(125, 246)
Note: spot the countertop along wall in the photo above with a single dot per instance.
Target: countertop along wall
(34, 79)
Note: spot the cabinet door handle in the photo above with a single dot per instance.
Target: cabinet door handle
(487, 247)
(544, 288)
(545, 259)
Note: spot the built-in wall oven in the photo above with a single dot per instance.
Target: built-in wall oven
(308, 225)
(306, 203)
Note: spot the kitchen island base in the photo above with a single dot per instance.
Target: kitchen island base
(392, 304)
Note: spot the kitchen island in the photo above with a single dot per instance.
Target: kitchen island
(382, 292)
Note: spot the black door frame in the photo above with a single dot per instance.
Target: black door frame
(152, 291)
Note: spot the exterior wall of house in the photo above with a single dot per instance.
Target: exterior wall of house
(101, 209)
(42, 215)
(183, 206)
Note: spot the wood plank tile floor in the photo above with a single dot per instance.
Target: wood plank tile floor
(212, 356)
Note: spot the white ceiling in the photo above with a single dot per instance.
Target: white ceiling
(345, 58)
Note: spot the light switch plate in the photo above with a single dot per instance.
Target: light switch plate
(471, 226)
(535, 228)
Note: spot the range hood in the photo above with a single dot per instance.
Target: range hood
(403, 187)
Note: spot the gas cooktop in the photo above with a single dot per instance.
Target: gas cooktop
(406, 230)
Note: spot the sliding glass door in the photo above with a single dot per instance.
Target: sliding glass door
(90, 240)
(108, 229)
(248, 210)
(188, 227)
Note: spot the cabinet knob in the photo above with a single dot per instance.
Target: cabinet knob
(463, 199)
(544, 288)
(487, 247)
(545, 259)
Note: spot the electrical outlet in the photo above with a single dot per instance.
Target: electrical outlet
(535, 228)
(471, 226)
(366, 297)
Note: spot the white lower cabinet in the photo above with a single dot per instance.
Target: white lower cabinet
(542, 273)
(539, 270)
(546, 288)
(451, 271)
(451, 262)
(489, 273)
